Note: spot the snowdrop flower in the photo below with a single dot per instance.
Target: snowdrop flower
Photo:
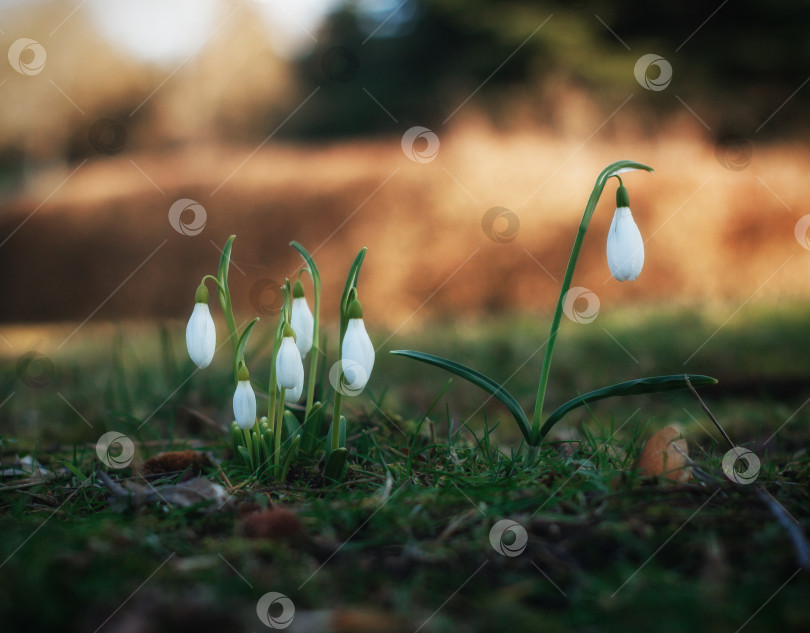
(625, 248)
(301, 320)
(244, 400)
(289, 366)
(357, 352)
(201, 335)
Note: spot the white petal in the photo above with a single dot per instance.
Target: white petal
(201, 336)
(293, 395)
(302, 322)
(357, 349)
(625, 247)
(289, 368)
(244, 405)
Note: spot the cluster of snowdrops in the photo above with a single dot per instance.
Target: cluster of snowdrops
(269, 444)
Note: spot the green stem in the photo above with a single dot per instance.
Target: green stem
(249, 445)
(315, 352)
(277, 430)
(336, 421)
(607, 173)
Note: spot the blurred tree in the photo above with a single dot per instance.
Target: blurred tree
(735, 63)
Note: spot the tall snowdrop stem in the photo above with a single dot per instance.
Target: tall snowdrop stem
(279, 425)
(335, 439)
(609, 172)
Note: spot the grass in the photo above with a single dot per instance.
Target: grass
(404, 543)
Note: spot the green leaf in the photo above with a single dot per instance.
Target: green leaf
(341, 435)
(629, 388)
(285, 466)
(336, 465)
(351, 282)
(291, 423)
(225, 262)
(243, 340)
(313, 269)
(479, 380)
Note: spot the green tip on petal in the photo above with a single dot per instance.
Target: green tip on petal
(622, 197)
(355, 310)
(202, 294)
(298, 289)
(243, 373)
(288, 331)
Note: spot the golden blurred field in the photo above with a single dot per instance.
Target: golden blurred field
(713, 234)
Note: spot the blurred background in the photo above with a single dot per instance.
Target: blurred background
(458, 141)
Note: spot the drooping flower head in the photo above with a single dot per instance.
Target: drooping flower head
(625, 247)
(301, 320)
(244, 400)
(357, 352)
(289, 366)
(201, 334)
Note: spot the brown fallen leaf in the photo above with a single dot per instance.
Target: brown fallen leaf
(275, 523)
(194, 462)
(665, 455)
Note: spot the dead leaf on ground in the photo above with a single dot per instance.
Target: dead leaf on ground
(661, 456)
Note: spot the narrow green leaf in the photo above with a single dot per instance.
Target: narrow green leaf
(313, 269)
(336, 465)
(479, 380)
(78, 473)
(291, 423)
(285, 466)
(243, 340)
(225, 262)
(629, 388)
(351, 282)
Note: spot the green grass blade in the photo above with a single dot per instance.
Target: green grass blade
(479, 380)
(629, 388)
(242, 344)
